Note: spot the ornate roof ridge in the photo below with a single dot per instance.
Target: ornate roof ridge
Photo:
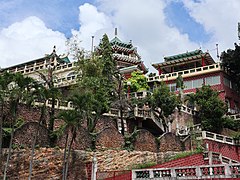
(183, 55)
(117, 41)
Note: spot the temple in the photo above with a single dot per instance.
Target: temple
(197, 68)
(127, 57)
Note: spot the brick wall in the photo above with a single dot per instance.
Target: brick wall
(170, 142)
(25, 134)
(109, 138)
(145, 141)
(81, 142)
(227, 150)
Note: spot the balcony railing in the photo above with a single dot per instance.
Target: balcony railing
(189, 172)
(186, 73)
(216, 137)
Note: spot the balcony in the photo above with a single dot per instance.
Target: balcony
(186, 73)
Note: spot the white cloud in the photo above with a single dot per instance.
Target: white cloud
(218, 17)
(138, 20)
(27, 40)
(92, 23)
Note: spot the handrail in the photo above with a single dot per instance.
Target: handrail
(189, 172)
(164, 77)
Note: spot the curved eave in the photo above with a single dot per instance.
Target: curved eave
(206, 56)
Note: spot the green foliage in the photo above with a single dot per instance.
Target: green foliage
(138, 82)
(230, 59)
(109, 64)
(211, 109)
(185, 154)
(143, 165)
(231, 123)
(164, 99)
(19, 123)
(130, 139)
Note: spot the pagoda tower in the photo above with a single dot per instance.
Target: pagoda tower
(126, 57)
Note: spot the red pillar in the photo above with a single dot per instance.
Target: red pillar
(159, 70)
(203, 62)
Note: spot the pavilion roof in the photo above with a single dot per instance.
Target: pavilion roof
(118, 42)
(184, 58)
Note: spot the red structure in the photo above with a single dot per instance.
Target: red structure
(197, 68)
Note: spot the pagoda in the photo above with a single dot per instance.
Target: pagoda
(126, 57)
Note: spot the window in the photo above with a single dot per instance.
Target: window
(227, 82)
(197, 83)
(212, 80)
(172, 87)
(188, 84)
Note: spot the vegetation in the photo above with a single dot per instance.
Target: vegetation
(18, 90)
(143, 165)
(185, 154)
(163, 102)
(138, 82)
(230, 60)
(211, 109)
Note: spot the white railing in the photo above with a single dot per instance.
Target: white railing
(188, 110)
(189, 172)
(36, 67)
(235, 116)
(126, 58)
(186, 73)
(216, 137)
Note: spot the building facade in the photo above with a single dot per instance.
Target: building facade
(197, 68)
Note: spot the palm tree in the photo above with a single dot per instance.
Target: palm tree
(72, 119)
(5, 79)
(41, 94)
(19, 92)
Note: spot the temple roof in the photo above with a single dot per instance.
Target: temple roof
(184, 58)
(183, 55)
(118, 42)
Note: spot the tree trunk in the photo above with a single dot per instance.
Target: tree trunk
(65, 158)
(15, 107)
(51, 122)
(9, 154)
(34, 144)
(68, 156)
(1, 132)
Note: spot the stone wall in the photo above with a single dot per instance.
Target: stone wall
(81, 142)
(24, 135)
(145, 141)
(109, 138)
(48, 162)
(170, 142)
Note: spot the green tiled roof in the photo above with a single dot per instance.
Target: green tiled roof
(183, 55)
(118, 42)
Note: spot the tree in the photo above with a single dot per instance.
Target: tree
(41, 94)
(138, 82)
(211, 109)
(230, 60)
(5, 79)
(72, 119)
(163, 102)
(54, 93)
(109, 70)
(19, 90)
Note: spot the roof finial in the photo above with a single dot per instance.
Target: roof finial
(115, 32)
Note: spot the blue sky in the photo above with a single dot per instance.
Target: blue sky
(30, 28)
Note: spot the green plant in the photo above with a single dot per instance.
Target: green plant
(185, 154)
(143, 165)
(130, 139)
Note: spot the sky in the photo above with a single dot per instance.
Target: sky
(30, 28)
